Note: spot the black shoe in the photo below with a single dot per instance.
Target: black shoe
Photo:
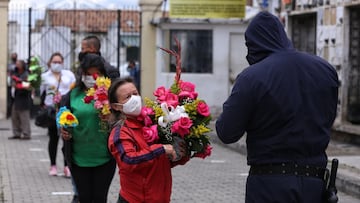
(75, 199)
(14, 137)
(26, 138)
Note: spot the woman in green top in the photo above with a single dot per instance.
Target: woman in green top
(91, 165)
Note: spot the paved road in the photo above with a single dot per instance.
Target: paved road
(24, 175)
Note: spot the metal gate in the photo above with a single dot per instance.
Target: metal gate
(41, 32)
(353, 108)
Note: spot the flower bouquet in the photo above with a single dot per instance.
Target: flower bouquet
(99, 94)
(65, 119)
(178, 113)
(34, 77)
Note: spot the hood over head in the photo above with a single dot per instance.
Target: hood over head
(264, 36)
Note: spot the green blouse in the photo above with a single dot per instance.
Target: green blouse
(89, 141)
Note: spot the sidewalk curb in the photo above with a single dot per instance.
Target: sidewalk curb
(347, 179)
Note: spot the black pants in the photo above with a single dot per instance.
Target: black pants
(9, 101)
(93, 183)
(53, 144)
(284, 189)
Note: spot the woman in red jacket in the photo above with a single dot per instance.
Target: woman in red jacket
(145, 170)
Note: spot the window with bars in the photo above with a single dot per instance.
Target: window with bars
(196, 50)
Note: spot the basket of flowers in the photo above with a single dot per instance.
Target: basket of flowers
(178, 114)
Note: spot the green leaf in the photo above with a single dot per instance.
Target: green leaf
(33, 77)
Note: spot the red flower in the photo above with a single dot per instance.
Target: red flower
(88, 99)
(207, 152)
(182, 126)
(70, 117)
(203, 109)
(95, 75)
(102, 97)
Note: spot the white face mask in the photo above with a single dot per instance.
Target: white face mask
(56, 67)
(132, 106)
(88, 81)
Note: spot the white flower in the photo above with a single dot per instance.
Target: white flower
(171, 115)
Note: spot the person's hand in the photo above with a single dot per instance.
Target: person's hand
(180, 147)
(66, 135)
(170, 151)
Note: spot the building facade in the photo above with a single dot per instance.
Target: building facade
(3, 56)
(331, 30)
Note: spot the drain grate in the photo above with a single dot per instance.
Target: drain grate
(4, 129)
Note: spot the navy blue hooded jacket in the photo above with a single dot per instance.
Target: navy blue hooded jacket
(285, 100)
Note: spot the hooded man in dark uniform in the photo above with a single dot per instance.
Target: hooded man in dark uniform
(286, 103)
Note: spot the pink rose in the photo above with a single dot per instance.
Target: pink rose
(203, 109)
(144, 115)
(160, 93)
(172, 99)
(186, 94)
(98, 104)
(187, 86)
(145, 111)
(150, 134)
(207, 152)
(57, 98)
(187, 90)
(182, 126)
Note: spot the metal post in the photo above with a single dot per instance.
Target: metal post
(140, 41)
(119, 38)
(29, 44)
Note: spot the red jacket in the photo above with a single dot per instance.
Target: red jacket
(145, 171)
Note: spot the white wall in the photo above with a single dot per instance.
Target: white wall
(213, 88)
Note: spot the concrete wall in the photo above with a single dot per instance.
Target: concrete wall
(3, 55)
(150, 10)
(214, 87)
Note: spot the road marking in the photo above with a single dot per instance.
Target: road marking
(36, 149)
(44, 160)
(61, 193)
(243, 174)
(217, 161)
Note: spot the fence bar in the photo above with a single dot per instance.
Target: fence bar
(119, 38)
(140, 43)
(29, 41)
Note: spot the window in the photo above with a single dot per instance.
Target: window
(196, 50)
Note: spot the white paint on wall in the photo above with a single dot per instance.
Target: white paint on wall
(211, 87)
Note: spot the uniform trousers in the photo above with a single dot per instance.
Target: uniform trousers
(284, 189)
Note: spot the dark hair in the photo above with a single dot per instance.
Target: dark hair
(132, 62)
(94, 41)
(115, 84)
(53, 55)
(93, 60)
(23, 64)
(90, 60)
